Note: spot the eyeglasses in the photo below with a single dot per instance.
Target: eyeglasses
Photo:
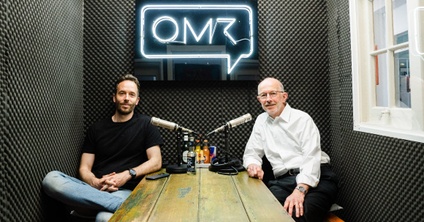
(271, 94)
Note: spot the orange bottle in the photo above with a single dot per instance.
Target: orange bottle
(206, 152)
(198, 152)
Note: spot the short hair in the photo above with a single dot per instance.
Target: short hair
(128, 77)
(279, 82)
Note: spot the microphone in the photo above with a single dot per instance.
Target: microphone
(233, 123)
(168, 125)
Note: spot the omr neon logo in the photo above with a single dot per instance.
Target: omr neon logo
(229, 25)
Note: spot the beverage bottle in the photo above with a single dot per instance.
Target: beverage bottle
(191, 158)
(191, 141)
(184, 148)
(198, 151)
(206, 153)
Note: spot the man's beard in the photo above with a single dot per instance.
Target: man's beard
(123, 112)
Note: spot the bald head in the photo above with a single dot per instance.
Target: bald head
(271, 81)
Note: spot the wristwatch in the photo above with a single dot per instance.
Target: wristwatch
(301, 189)
(132, 173)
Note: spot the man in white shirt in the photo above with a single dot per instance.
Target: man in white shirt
(304, 182)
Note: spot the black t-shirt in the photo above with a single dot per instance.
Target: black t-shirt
(121, 146)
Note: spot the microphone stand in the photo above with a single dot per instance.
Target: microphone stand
(179, 167)
(229, 166)
(226, 143)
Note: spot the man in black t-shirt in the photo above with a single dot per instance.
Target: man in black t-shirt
(116, 155)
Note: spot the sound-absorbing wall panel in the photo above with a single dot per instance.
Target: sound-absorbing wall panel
(41, 124)
(382, 178)
(60, 59)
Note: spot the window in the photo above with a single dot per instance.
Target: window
(387, 39)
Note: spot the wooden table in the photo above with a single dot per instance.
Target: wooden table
(206, 196)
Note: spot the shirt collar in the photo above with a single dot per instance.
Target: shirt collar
(284, 116)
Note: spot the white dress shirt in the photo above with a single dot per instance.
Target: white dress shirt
(289, 141)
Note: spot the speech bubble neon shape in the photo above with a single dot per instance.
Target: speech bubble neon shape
(228, 21)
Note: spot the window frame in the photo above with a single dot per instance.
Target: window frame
(402, 123)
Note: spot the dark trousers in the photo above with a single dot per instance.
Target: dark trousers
(318, 200)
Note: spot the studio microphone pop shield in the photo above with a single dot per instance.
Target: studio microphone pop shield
(164, 124)
(242, 119)
(233, 123)
(168, 125)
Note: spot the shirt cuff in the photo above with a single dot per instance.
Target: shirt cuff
(310, 180)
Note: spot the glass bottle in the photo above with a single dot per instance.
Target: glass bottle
(191, 158)
(206, 153)
(184, 148)
(198, 151)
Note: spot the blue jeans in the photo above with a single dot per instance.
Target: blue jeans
(76, 193)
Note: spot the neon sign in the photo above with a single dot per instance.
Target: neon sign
(229, 25)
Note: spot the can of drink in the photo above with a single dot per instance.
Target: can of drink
(212, 152)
